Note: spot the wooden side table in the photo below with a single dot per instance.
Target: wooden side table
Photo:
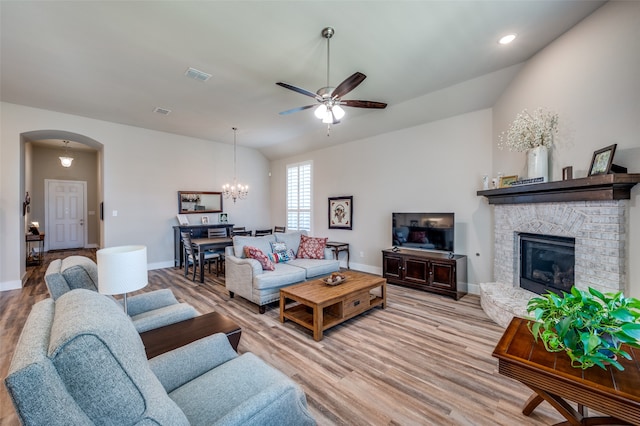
(550, 375)
(32, 260)
(173, 336)
(337, 247)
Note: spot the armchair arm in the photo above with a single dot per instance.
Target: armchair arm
(239, 275)
(145, 302)
(163, 316)
(177, 367)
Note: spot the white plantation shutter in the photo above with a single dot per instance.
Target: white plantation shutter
(299, 196)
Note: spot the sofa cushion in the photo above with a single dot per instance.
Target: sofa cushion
(262, 243)
(311, 247)
(316, 267)
(257, 254)
(292, 239)
(284, 274)
(102, 362)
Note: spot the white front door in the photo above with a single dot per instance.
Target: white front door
(66, 214)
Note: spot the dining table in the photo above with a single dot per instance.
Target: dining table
(204, 244)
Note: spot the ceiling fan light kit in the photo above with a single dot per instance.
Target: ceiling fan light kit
(330, 98)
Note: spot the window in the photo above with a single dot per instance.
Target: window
(299, 196)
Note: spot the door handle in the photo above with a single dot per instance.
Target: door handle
(81, 222)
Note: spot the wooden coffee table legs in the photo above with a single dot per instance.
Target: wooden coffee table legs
(573, 416)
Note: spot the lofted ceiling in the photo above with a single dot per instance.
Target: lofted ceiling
(119, 60)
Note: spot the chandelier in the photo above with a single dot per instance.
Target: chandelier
(65, 159)
(236, 190)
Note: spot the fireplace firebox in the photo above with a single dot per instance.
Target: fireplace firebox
(547, 263)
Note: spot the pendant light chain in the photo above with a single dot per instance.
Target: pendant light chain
(236, 190)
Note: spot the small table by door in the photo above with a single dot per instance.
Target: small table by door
(31, 257)
(205, 244)
(551, 377)
(337, 247)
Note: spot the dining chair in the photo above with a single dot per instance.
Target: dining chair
(243, 233)
(217, 233)
(279, 229)
(191, 256)
(239, 228)
(263, 232)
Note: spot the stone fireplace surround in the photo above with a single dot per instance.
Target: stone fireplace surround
(599, 229)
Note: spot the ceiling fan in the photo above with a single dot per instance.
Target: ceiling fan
(330, 98)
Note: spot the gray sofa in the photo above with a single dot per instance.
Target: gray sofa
(147, 311)
(80, 361)
(245, 277)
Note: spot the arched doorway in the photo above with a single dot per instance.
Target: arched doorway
(42, 166)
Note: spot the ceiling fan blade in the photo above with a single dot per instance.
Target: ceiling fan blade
(348, 85)
(364, 104)
(298, 89)
(302, 108)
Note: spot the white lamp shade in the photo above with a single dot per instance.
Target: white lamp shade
(122, 269)
(338, 112)
(321, 111)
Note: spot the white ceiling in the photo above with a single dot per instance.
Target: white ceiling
(118, 60)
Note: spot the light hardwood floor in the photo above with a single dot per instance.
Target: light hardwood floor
(424, 360)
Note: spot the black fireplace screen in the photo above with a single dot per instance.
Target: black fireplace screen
(546, 263)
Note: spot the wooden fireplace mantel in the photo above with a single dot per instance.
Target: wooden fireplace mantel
(616, 186)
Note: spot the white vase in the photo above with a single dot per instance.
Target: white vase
(538, 163)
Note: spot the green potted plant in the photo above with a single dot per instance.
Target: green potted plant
(589, 325)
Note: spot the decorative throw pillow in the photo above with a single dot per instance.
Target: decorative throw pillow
(282, 256)
(311, 248)
(257, 254)
(278, 246)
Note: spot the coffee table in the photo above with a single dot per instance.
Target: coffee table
(551, 377)
(173, 336)
(321, 306)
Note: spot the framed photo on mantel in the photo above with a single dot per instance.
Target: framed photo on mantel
(341, 212)
(602, 160)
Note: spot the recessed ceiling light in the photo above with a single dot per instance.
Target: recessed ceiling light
(507, 39)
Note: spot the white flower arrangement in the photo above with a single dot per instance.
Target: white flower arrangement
(530, 131)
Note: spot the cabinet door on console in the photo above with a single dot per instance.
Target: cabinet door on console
(392, 266)
(443, 275)
(416, 271)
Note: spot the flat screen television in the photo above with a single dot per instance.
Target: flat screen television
(423, 231)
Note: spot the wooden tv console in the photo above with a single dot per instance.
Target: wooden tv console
(429, 271)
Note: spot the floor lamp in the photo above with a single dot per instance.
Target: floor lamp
(122, 270)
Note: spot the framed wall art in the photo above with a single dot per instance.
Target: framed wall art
(602, 160)
(341, 212)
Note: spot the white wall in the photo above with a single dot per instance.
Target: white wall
(434, 167)
(590, 77)
(143, 170)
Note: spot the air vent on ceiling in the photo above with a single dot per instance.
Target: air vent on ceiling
(162, 111)
(197, 75)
